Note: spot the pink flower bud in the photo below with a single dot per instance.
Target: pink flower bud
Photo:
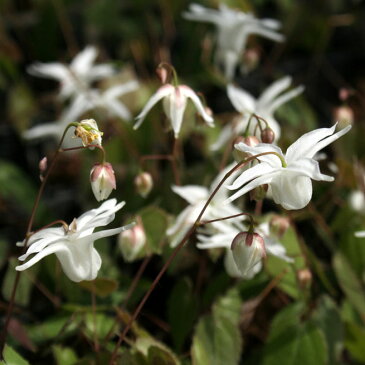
(251, 59)
(304, 277)
(143, 183)
(131, 242)
(102, 180)
(248, 249)
(279, 225)
(43, 165)
(344, 115)
(162, 74)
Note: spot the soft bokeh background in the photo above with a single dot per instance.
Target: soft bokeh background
(311, 312)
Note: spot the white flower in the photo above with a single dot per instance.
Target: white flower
(174, 104)
(264, 106)
(197, 196)
(102, 180)
(233, 28)
(360, 234)
(357, 201)
(225, 238)
(89, 133)
(77, 76)
(289, 175)
(74, 248)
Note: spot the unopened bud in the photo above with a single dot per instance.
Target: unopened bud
(344, 94)
(251, 141)
(102, 180)
(248, 249)
(89, 132)
(132, 241)
(42, 165)
(304, 278)
(162, 74)
(344, 115)
(259, 193)
(279, 225)
(143, 183)
(251, 59)
(267, 135)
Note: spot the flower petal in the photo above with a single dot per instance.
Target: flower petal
(53, 70)
(282, 99)
(310, 168)
(271, 158)
(174, 106)
(193, 194)
(242, 101)
(81, 64)
(162, 92)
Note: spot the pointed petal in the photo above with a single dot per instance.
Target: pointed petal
(191, 193)
(285, 98)
(271, 92)
(81, 64)
(189, 93)
(120, 90)
(241, 99)
(54, 70)
(100, 72)
(277, 249)
(174, 106)
(161, 93)
(118, 109)
(310, 168)
(271, 158)
(109, 232)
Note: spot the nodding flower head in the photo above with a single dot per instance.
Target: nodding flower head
(89, 132)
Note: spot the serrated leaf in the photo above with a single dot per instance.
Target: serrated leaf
(101, 287)
(294, 341)
(182, 310)
(217, 339)
(349, 282)
(11, 357)
(155, 224)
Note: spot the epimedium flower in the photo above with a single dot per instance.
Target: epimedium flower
(264, 106)
(289, 175)
(102, 180)
(89, 133)
(233, 29)
(75, 77)
(243, 260)
(197, 196)
(174, 103)
(74, 245)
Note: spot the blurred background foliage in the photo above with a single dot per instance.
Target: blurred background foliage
(309, 312)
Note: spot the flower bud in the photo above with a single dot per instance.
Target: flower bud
(304, 278)
(344, 115)
(162, 74)
(132, 241)
(89, 132)
(251, 59)
(42, 167)
(267, 135)
(102, 180)
(259, 193)
(251, 141)
(143, 183)
(279, 225)
(248, 249)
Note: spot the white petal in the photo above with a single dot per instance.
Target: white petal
(120, 90)
(241, 99)
(101, 71)
(277, 249)
(109, 232)
(250, 174)
(271, 158)
(191, 193)
(360, 234)
(271, 92)
(54, 70)
(81, 64)
(310, 168)
(267, 33)
(199, 13)
(265, 179)
(284, 98)
(118, 109)
(155, 98)
(174, 106)
(189, 93)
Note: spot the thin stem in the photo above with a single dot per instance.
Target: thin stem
(186, 237)
(225, 218)
(93, 304)
(4, 333)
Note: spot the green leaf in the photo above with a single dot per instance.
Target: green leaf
(155, 224)
(293, 340)
(327, 317)
(349, 283)
(11, 357)
(355, 341)
(217, 339)
(102, 287)
(100, 323)
(288, 272)
(181, 301)
(64, 355)
(25, 285)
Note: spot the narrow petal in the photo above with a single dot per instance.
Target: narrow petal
(155, 98)
(109, 232)
(189, 93)
(310, 168)
(284, 98)
(101, 71)
(81, 64)
(277, 249)
(199, 13)
(174, 106)
(304, 145)
(54, 70)
(191, 193)
(241, 99)
(118, 109)
(120, 90)
(225, 136)
(271, 92)
(360, 234)
(271, 158)
(267, 33)
(265, 179)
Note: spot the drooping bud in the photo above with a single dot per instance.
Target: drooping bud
(89, 132)
(143, 183)
(344, 115)
(162, 74)
(248, 249)
(259, 193)
(102, 180)
(132, 241)
(304, 278)
(251, 141)
(279, 225)
(267, 135)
